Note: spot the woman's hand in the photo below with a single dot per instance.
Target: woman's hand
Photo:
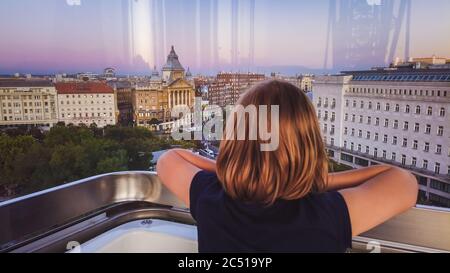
(375, 194)
(176, 169)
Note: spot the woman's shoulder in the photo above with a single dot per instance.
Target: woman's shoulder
(330, 201)
(204, 180)
(204, 185)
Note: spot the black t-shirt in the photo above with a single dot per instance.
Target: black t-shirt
(315, 223)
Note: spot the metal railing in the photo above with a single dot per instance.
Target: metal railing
(46, 221)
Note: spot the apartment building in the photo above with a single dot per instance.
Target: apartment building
(227, 87)
(123, 90)
(147, 104)
(28, 103)
(87, 103)
(399, 116)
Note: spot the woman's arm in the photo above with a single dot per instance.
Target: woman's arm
(383, 195)
(176, 169)
(352, 178)
(197, 160)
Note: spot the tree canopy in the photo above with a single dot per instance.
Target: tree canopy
(31, 160)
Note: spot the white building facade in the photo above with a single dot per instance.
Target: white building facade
(394, 116)
(28, 103)
(87, 103)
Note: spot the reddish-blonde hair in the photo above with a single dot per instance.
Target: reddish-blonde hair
(298, 167)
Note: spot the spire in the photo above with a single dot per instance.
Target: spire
(155, 73)
(188, 73)
(172, 61)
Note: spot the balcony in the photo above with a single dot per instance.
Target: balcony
(412, 168)
(133, 212)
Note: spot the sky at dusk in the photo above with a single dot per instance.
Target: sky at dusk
(68, 36)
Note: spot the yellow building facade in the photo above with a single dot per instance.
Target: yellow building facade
(153, 101)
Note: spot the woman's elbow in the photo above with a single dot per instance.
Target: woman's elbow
(163, 164)
(410, 187)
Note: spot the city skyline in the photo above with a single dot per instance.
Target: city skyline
(62, 36)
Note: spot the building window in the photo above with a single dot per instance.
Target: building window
(378, 106)
(437, 168)
(384, 154)
(369, 120)
(361, 105)
(375, 152)
(394, 140)
(416, 127)
(405, 126)
(345, 130)
(414, 162)
(403, 160)
(407, 109)
(345, 144)
(386, 122)
(442, 112)
(428, 129)
(359, 133)
(405, 142)
(376, 136)
(394, 156)
(353, 131)
(438, 149)
(346, 103)
(397, 108)
(359, 147)
(425, 164)
(385, 138)
(440, 131)
(377, 121)
(368, 135)
(354, 103)
(346, 117)
(353, 118)
(417, 110)
(427, 147)
(367, 150)
(387, 107)
(361, 119)
(415, 144)
(370, 105)
(395, 124)
(430, 111)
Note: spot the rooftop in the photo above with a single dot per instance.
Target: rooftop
(25, 83)
(83, 88)
(406, 74)
(173, 64)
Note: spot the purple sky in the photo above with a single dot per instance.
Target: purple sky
(49, 36)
